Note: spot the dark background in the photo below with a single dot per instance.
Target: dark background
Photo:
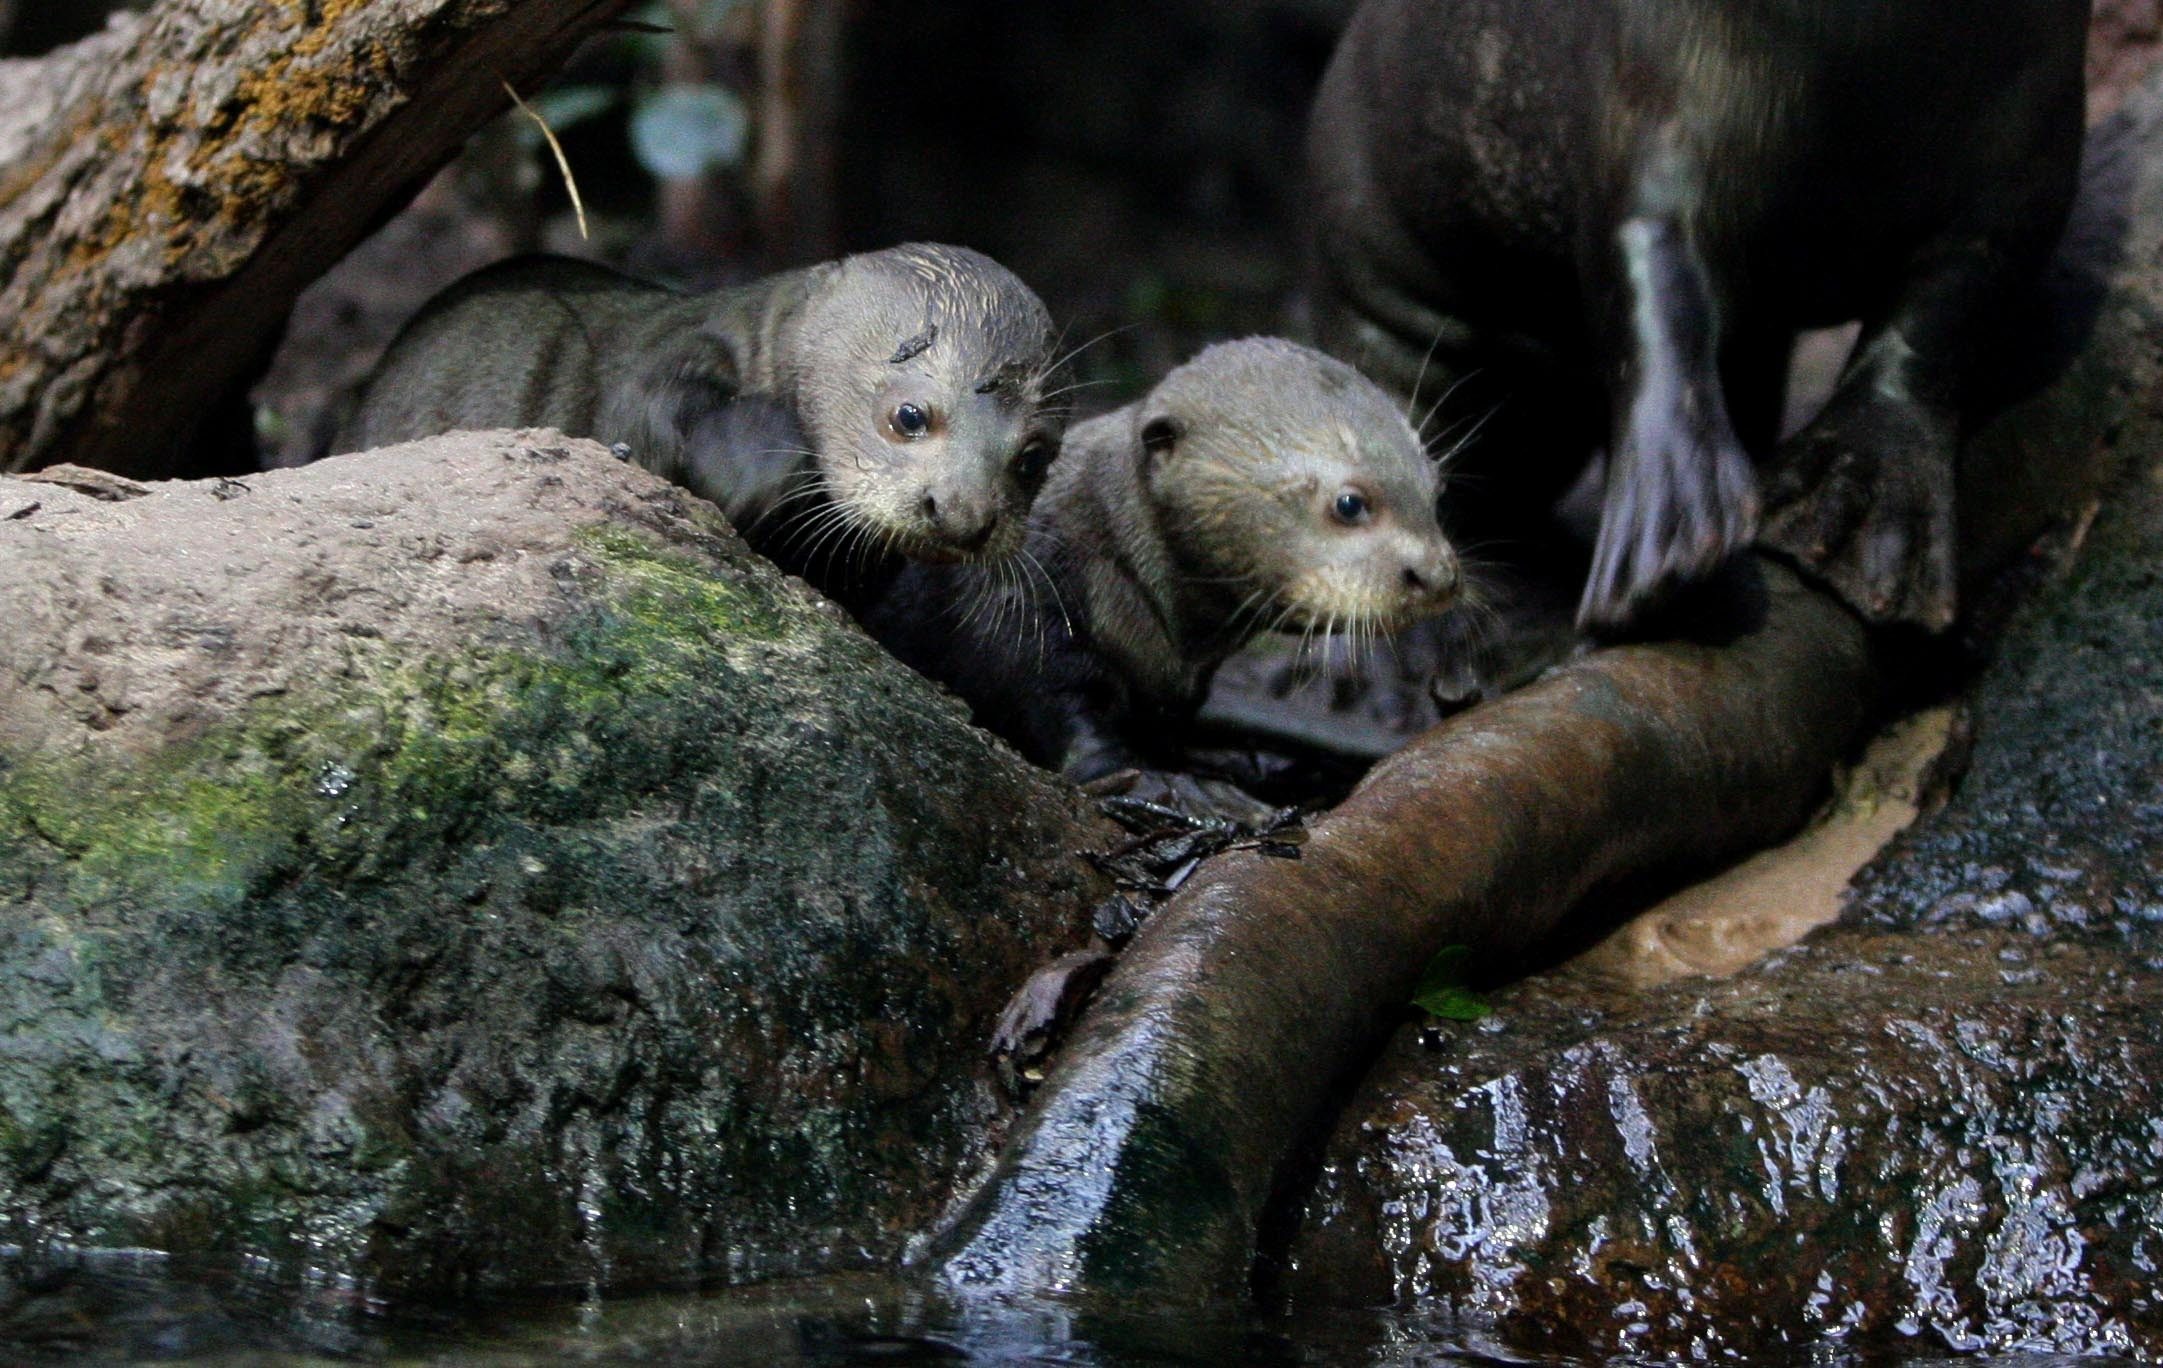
(1137, 161)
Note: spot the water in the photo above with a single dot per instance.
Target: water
(143, 1308)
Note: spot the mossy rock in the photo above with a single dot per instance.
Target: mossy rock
(464, 866)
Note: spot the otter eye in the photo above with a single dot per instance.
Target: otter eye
(1351, 508)
(1032, 461)
(910, 420)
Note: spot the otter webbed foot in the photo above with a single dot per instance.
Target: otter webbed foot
(1862, 500)
(1681, 498)
(1681, 495)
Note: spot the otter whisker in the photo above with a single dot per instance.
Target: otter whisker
(1072, 388)
(1421, 377)
(1051, 539)
(1461, 443)
(833, 531)
(805, 525)
(1266, 597)
(1246, 603)
(1002, 601)
(1031, 624)
(1070, 356)
(873, 546)
(810, 488)
(991, 607)
(972, 601)
(1051, 587)
(1459, 383)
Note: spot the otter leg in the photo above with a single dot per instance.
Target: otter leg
(1681, 496)
(1862, 498)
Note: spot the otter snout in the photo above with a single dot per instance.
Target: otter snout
(1431, 578)
(959, 519)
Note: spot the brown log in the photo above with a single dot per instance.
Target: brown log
(168, 186)
(1210, 1050)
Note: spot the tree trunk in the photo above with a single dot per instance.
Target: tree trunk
(168, 186)
(800, 81)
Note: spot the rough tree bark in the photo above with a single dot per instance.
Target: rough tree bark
(800, 61)
(168, 186)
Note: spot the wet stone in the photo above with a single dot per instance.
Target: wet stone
(2057, 828)
(1862, 1142)
(518, 901)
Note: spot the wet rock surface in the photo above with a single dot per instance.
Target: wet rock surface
(2057, 830)
(1934, 1124)
(1868, 1139)
(465, 867)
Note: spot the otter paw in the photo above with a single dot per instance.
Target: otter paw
(1040, 1012)
(1864, 504)
(1677, 505)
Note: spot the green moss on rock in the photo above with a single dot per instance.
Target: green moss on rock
(597, 943)
(404, 752)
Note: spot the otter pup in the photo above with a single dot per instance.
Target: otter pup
(1618, 213)
(885, 404)
(1260, 486)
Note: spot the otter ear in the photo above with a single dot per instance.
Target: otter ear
(1159, 436)
(656, 405)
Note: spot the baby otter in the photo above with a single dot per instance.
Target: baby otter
(888, 404)
(1260, 486)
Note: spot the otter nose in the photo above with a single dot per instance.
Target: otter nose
(963, 523)
(1432, 578)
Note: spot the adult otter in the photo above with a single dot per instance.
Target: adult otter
(1259, 486)
(891, 402)
(1628, 207)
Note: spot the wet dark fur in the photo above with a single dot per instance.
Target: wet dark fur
(1610, 217)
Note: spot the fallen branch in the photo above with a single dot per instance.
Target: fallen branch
(1161, 1132)
(168, 187)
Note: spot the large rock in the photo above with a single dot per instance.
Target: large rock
(1868, 1139)
(466, 866)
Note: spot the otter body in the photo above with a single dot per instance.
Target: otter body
(1614, 215)
(1261, 485)
(886, 405)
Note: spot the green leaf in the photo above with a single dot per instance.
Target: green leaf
(1442, 991)
(646, 49)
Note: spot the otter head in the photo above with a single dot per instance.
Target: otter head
(919, 378)
(1292, 494)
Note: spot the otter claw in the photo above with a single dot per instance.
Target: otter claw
(1864, 505)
